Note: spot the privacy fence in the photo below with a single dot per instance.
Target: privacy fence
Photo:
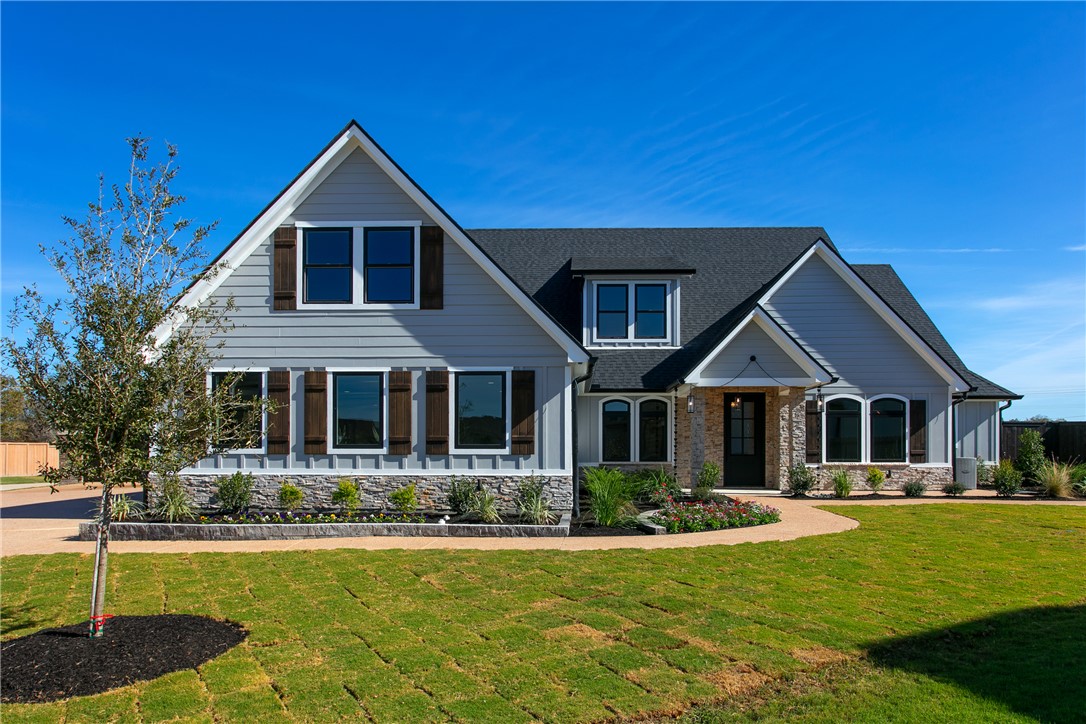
(26, 458)
(1066, 441)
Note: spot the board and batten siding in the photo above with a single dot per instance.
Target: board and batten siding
(752, 340)
(850, 339)
(978, 429)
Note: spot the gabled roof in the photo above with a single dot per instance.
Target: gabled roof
(353, 137)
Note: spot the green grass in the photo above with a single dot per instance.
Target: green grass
(17, 479)
(937, 613)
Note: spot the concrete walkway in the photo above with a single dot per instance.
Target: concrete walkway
(32, 520)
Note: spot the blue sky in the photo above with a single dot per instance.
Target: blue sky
(946, 139)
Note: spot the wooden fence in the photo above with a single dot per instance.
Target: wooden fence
(26, 458)
(1066, 441)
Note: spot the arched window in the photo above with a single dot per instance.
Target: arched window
(888, 441)
(616, 431)
(652, 431)
(843, 430)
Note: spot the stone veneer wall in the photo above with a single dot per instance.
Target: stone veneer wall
(432, 490)
(900, 473)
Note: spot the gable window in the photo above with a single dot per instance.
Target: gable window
(616, 431)
(358, 407)
(327, 272)
(481, 421)
(612, 311)
(390, 265)
(888, 441)
(652, 441)
(249, 386)
(650, 311)
(843, 430)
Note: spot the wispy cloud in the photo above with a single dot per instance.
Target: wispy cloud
(928, 250)
(1038, 296)
(1080, 247)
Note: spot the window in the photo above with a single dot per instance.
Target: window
(481, 419)
(612, 311)
(616, 431)
(650, 311)
(358, 410)
(888, 430)
(249, 386)
(390, 265)
(653, 438)
(843, 430)
(326, 266)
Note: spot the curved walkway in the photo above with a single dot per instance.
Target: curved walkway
(32, 520)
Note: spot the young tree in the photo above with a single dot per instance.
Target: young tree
(129, 402)
(18, 421)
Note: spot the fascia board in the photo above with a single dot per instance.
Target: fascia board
(888, 315)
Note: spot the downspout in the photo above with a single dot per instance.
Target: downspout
(573, 434)
(999, 435)
(954, 433)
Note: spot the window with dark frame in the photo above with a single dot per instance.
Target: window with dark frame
(650, 311)
(652, 423)
(480, 410)
(843, 431)
(616, 432)
(358, 410)
(888, 436)
(249, 386)
(612, 311)
(389, 265)
(327, 266)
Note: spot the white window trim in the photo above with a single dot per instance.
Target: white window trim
(358, 264)
(331, 407)
(865, 429)
(507, 373)
(631, 341)
(635, 429)
(263, 371)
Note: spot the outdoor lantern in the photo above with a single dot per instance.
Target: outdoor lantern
(690, 403)
(737, 401)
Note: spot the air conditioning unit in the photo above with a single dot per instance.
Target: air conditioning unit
(965, 472)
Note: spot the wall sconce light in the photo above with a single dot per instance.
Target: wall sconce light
(737, 401)
(818, 400)
(690, 403)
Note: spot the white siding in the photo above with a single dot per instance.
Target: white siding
(978, 429)
(752, 341)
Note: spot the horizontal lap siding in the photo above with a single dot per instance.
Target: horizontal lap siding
(358, 190)
(752, 341)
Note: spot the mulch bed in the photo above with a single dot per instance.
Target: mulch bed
(62, 662)
(589, 529)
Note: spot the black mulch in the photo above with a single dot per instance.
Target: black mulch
(62, 662)
(590, 529)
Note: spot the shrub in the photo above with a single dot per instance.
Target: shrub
(484, 506)
(346, 496)
(914, 489)
(842, 486)
(662, 486)
(708, 478)
(172, 502)
(404, 500)
(290, 496)
(460, 495)
(700, 516)
(125, 508)
(1078, 480)
(954, 488)
(235, 492)
(532, 505)
(984, 472)
(801, 479)
(1006, 479)
(610, 495)
(875, 479)
(1055, 479)
(1031, 456)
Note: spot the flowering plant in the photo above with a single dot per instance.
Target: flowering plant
(290, 516)
(680, 517)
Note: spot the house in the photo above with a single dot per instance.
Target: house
(402, 348)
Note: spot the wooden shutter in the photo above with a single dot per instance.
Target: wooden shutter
(432, 269)
(399, 413)
(523, 412)
(316, 413)
(814, 432)
(285, 274)
(437, 412)
(918, 431)
(279, 421)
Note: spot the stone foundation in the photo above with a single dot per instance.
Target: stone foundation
(933, 478)
(373, 490)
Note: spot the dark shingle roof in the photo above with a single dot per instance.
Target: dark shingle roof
(635, 264)
(734, 266)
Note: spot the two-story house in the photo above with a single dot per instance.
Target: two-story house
(402, 348)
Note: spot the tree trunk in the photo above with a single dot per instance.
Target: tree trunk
(98, 596)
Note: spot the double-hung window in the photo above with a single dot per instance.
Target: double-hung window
(327, 269)
(612, 311)
(347, 265)
(844, 430)
(631, 313)
(650, 311)
(481, 417)
(888, 430)
(390, 265)
(866, 430)
(634, 432)
(358, 410)
(245, 431)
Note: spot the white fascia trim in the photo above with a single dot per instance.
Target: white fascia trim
(888, 315)
(785, 342)
(754, 382)
(405, 472)
(573, 352)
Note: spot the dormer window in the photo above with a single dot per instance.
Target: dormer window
(631, 313)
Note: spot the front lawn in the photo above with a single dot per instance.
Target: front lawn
(933, 612)
(21, 479)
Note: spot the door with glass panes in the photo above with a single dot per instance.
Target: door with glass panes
(744, 439)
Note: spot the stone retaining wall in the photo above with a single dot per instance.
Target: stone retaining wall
(373, 490)
(932, 477)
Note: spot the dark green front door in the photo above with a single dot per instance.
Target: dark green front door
(744, 439)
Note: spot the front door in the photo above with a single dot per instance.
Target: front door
(744, 439)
